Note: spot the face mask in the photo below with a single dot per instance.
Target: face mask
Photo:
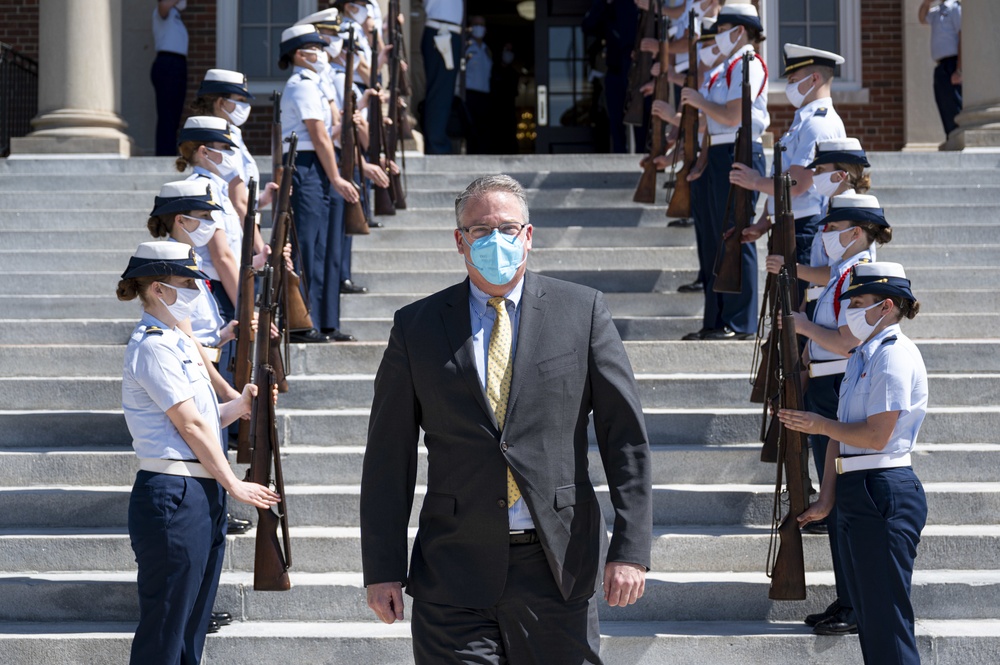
(334, 48)
(507, 57)
(201, 235)
(824, 184)
(479, 31)
(358, 13)
(795, 98)
(708, 54)
(229, 167)
(831, 243)
(497, 257)
(184, 305)
(701, 8)
(726, 41)
(182, 5)
(322, 61)
(239, 114)
(859, 325)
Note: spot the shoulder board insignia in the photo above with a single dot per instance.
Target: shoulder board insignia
(154, 330)
(822, 111)
(890, 338)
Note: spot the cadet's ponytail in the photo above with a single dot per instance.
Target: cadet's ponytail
(137, 287)
(857, 178)
(907, 308)
(160, 226)
(875, 232)
(187, 150)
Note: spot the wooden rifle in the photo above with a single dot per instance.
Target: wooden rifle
(638, 73)
(275, 140)
(398, 88)
(355, 222)
(679, 204)
(242, 361)
(272, 557)
(729, 260)
(787, 567)
(645, 190)
(376, 133)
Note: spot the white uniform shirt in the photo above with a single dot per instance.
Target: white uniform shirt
(227, 220)
(945, 20)
(449, 11)
(248, 166)
(824, 313)
(169, 34)
(478, 66)
(162, 370)
(886, 373)
(304, 98)
(814, 122)
(720, 92)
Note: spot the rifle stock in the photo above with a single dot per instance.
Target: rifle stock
(788, 576)
(680, 201)
(398, 87)
(243, 358)
(376, 130)
(355, 222)
(729, 262)
(276, 140)
(639, 70)
(272, 558)
(279, 238)
(645, 191)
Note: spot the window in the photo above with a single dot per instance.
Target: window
(248, 35)
(569, 84)
(831, 25)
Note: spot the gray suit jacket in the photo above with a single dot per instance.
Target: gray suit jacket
(570, 362)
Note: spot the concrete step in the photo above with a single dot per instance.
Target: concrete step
(341, 465)
(338, 549)
(941, 642)
(337, 505)
(327, 391)
(340, 597)
(364, 357)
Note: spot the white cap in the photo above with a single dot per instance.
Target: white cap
(330, 15)
(165, 250)
(839, 145)
(184, 188)
(206, 122)
(225, 76)
(737, 9)
(297, 30)
(879, 269)
(850, 199)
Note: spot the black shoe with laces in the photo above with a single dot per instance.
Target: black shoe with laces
(843, 622)
(813, 619)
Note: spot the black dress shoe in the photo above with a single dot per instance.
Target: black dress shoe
(347, 286)
(334, 335)
(843, 622)
(819, 528)
(683, 223)
(213, 626)
(694, 287)
(235, 526)
(726, 333)
(311, 336)
(375, 225)
(832, 608)
(696, 335)
(222, 618)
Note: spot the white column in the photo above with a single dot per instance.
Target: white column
(979, 121)
(78, 100)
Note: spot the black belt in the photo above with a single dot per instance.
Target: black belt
(526, 537)
(172, 54)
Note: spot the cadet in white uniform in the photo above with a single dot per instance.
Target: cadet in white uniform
(810, 77)
(881, 505)
(169, 72)
(945, 19)
(319, 190)
(729, 316)
(206, 145)
(177, 509)
(478, 68)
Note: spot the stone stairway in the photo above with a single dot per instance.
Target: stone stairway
(67, 573)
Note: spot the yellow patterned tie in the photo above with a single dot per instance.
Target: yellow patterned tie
(498, 372)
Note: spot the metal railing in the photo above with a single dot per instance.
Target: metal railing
(18, 95)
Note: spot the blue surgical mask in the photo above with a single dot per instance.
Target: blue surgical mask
(497, 257)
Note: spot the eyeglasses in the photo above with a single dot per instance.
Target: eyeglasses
(482, 230)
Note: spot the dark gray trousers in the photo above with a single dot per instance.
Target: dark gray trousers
(531, 624)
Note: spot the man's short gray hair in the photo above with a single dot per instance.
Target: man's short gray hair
(486, 184)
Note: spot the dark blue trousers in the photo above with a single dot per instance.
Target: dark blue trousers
(227, 308)
(736, 310)
(338, 249)
(169, 77)
(822, 397)
(440, 90)
(947, 96)
(177, 526)
(315, 213)
(880, 514)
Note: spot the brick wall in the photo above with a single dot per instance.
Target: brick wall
(879, 124)
(19, 25)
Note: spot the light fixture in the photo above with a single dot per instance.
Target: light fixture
(526, 10)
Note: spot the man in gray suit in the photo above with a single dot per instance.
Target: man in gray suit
(501, 372)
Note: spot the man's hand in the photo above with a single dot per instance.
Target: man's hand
(956, 77)
(386, 600)
(746, 177)
(624, 583)
(691, 97)
(347, 189)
